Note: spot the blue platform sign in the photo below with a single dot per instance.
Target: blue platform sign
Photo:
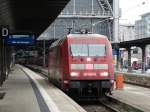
(23, 39)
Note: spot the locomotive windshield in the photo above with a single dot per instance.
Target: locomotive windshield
(97, 50)
(79, 50)
(88, 50)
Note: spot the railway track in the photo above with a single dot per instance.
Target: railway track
(96, 108)
(109, 107)
(99, 106)
(108, 104)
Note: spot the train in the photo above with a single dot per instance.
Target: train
(82, 65)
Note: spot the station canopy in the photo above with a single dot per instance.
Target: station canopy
(30, 15)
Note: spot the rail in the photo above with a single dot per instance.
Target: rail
(108, 104)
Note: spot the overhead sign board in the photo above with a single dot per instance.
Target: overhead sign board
(20, 39)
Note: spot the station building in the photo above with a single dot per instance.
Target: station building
(142, 26)
(94, 15)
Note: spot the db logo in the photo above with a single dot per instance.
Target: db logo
(4, 31)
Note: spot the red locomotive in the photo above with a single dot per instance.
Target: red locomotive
(81, 64)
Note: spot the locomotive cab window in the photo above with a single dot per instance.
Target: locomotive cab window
(88, 50)
(97, 50)
(79, 50)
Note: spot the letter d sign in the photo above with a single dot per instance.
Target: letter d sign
(4, 31)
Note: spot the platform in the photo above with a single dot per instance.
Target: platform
(27, 91)
(138, 97)
(136, 78)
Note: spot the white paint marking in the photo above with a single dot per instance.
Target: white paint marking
(51, 105)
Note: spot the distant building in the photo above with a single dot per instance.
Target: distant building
(127, 32)
(142, 30)
(142, 27)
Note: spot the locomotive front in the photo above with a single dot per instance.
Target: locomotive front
(90, 65)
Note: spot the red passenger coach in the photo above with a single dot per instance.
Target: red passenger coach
(81, 64)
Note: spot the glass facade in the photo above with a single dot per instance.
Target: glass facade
(142, 27)
(82, 14)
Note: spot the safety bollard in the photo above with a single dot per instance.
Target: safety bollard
(119, 81)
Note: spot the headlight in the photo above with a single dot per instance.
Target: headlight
(74, 74)
(105, 74)
(88, 59)
(66, 82)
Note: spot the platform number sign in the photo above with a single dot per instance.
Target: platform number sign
(4, 31)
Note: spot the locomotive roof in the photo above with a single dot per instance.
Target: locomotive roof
(77, 36)
(86, 35)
